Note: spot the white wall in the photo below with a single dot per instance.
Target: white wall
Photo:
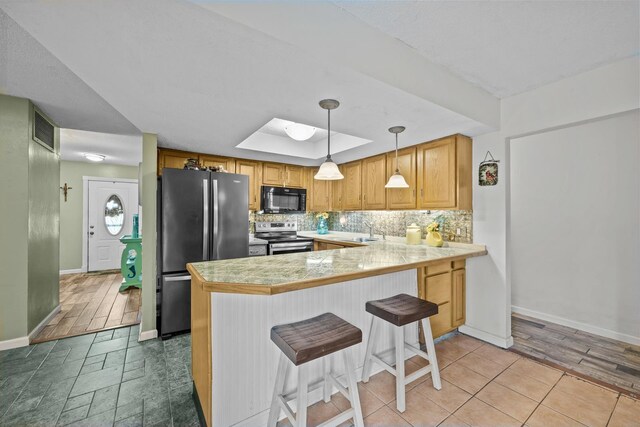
(593, 95)
(575, 225)
(488, 298)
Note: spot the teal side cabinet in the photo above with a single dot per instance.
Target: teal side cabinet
(131, 262)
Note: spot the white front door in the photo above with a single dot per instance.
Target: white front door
(110, 216)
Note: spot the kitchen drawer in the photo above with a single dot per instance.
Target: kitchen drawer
(438, 268)
(439, 288)
(458, 264)
(441, 322)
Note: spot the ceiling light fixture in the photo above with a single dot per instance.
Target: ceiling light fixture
(329, 170)
(397, 180)
(299, 132)
(94, 157)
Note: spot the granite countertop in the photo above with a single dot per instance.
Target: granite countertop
(284, 273)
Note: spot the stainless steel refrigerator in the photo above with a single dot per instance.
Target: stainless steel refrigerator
(202, 216)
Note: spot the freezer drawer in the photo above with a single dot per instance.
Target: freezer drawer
(175, 309)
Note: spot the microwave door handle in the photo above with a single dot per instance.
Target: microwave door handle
(205, 219)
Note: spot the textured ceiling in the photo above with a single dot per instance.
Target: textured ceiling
(28, 70)
(117, 149)
(204, 83)
(508, 47)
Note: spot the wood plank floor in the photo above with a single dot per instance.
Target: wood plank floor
(91, 302)
(609, 361)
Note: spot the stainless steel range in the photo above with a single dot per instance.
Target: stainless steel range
(283, 237)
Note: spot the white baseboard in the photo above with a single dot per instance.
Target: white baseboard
(14, 343)
(34, 333)
(485, 336)
(607, 333)
(71, 271)
(148, 335)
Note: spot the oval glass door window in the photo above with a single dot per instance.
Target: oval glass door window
(114, 215)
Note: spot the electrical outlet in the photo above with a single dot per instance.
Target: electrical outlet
(461, 231)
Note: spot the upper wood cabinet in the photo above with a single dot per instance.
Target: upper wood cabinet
(352, 186)
(173, 159)
(294, 176)
(281, 175)
(318, 193)
(444, 174)
(254, 171)
(439, 174)
(374, 178)
(227, 163)
(336, 192)
(402, 198)
(273, 174)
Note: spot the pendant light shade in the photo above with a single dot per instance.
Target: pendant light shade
(397, 180)
(329, 170)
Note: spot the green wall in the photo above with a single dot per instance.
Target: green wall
(29, 225)
(44, 231)
(14, 216)
(149, 237)
(71, 212)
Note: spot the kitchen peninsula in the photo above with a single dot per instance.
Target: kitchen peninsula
(234, 304)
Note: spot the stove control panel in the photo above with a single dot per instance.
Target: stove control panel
(262, 227)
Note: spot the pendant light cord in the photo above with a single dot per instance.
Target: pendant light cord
(329, 134)
(397, 170)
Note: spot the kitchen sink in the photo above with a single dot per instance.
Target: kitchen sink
(364, 239)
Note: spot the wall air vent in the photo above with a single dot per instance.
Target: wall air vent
(43, 131)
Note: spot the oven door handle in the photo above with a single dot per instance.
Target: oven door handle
(291, 245)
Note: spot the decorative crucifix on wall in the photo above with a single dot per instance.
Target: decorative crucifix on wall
(65, 189)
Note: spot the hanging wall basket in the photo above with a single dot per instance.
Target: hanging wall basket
(488, 171)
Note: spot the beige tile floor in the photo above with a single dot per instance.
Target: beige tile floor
(483, 385)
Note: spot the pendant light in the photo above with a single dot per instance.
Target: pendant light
(329, 170)
(397, 180)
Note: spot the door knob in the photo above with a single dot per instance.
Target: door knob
(91, 226)
(91, 233)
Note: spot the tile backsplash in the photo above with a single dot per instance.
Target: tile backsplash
(457, 224)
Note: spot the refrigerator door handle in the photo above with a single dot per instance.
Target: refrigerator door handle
(216, 218)
(177, 278)
(205, 219)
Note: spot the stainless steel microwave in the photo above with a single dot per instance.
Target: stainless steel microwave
(283, 200)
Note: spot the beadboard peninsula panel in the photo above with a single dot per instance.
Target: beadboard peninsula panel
(245, 360)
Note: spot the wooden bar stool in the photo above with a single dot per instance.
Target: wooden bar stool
(302, 342)
(400, 310)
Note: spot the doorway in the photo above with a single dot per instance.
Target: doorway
(110, 209)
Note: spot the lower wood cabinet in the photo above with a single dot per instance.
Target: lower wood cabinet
(324, 246)
(444, 284)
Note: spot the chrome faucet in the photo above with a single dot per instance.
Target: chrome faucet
(370, 225)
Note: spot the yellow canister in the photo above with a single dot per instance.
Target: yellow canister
(414, 235)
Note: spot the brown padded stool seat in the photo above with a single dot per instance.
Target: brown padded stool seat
(313, 338)
(402, 309)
